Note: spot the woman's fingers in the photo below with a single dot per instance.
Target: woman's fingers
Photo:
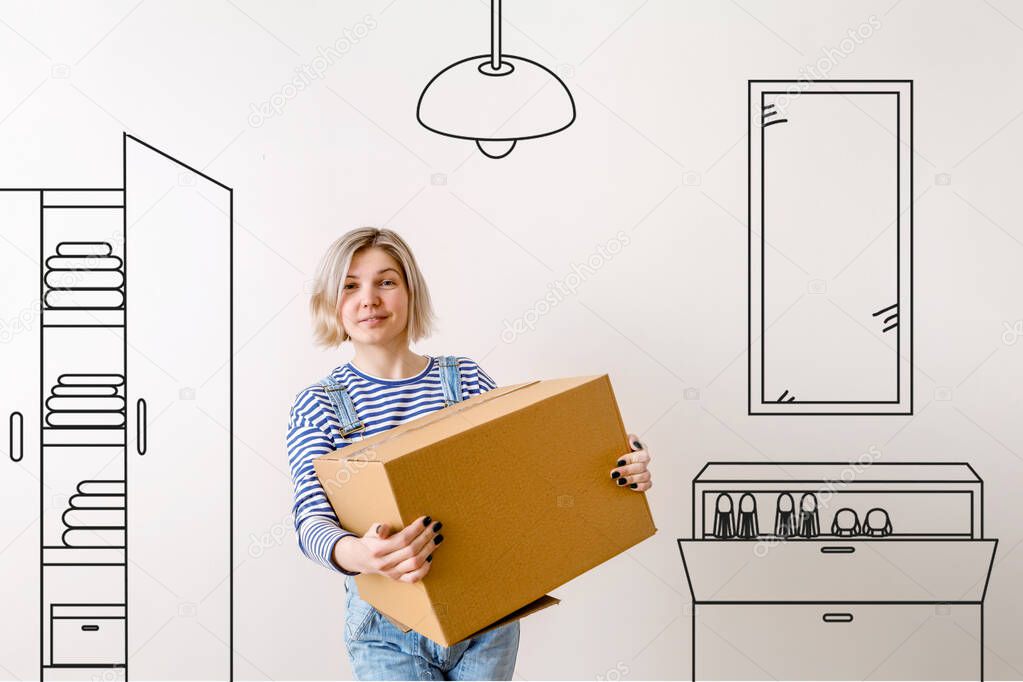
(417, 574)
(378, 530)
(634, 457)
(632, 479)
(641, 477)
(631, 470)
(382, 542)
(417, 565)
(639, 453)
(628, 470)
(427, 539)
(403, 537)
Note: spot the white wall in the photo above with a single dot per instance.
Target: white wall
(658, 151)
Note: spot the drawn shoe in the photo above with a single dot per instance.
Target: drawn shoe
(724, 517)
(809, 519)
(785, 516)
(749, 527)
(846, 523)
(877, 523)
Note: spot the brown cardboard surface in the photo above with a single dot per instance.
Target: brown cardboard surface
(399, 441)
(530, 608)
(520, 478)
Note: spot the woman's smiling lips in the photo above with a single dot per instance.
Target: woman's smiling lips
(373, 321)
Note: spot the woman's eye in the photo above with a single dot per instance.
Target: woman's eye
(388, 281)
(349, 287)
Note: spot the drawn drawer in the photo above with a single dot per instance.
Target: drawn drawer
(838, 641)
(87, 634)
(837, 571)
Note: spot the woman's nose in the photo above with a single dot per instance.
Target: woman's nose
(369, 297)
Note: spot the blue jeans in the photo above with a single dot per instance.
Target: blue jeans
(380, 651)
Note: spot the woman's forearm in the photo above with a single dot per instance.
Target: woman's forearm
(346, 554)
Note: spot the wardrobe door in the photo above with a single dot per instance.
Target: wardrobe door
(178, 243)
(20, 324)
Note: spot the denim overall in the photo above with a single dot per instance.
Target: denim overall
(377, 649)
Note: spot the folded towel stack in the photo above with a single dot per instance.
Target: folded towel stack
(96, 517)
(87, 401)
(84, 275)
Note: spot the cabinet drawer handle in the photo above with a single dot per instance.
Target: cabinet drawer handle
(140, 426)
(17, 440)
(838, 617)
(841, 549)
(90, 628)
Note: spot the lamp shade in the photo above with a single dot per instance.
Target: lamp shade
(519, 100)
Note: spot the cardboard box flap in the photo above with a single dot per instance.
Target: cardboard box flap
(530, 608)
(392, 444)
(370, 449)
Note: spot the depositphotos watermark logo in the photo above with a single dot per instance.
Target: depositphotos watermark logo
(830, 58)
(566, 286)
(315, 70)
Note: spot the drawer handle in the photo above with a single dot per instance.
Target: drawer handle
(842, 549)
(90, 628)
(838, 617)
(17, 439)
(141, 428)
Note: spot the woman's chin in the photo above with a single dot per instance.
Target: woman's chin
(373, 336)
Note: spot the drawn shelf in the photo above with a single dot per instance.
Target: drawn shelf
(82, 317)
(934, 500)
(83, 556)
(73, 673)
(83, 273)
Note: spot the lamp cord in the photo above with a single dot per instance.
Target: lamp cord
(495, 35)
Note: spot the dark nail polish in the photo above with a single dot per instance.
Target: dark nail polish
(615, 474)
(439, 539)
(378, 529)
(633, 485)
(426, 521)
(621, 462)
(436, 526)
(636, 444)
(429, 558)
(621, 481)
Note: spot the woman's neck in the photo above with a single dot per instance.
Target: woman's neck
(388, 362)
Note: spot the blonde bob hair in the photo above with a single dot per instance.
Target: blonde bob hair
(325, 303)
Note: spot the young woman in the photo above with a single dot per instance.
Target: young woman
(370, 291)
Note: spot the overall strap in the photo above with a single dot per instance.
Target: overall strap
(344, 408)
(450, 380)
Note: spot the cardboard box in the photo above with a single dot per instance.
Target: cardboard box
(520, 477)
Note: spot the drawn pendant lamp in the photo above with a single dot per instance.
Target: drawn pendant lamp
(495, 99)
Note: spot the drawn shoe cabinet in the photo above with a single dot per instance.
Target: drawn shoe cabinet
(116, 396)
(902, 599)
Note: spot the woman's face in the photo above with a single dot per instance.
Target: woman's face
(374, 298)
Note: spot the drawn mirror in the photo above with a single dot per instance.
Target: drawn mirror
(830, 247)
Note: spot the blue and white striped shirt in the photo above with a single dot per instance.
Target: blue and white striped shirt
(381, 404)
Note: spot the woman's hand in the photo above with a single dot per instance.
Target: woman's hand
(404, 556)
(631, 470)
